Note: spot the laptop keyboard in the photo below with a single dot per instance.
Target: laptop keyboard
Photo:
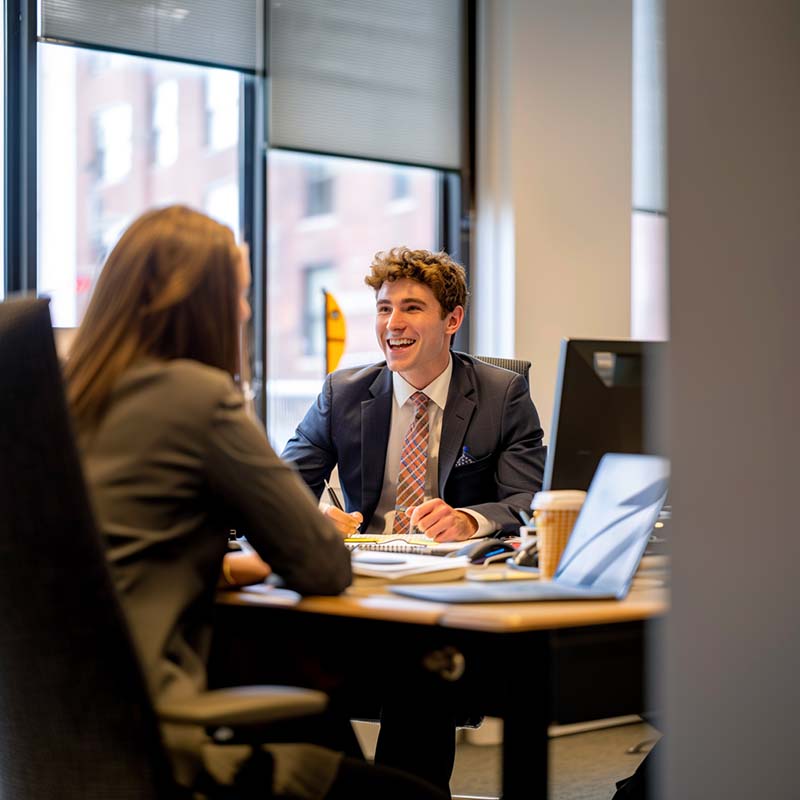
(500, 592)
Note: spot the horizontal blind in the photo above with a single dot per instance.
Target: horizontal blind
(377, 79)
(223, 34)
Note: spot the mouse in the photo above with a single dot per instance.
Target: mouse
(479, 550)
(527, 557)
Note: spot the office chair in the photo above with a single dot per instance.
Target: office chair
(514, 364)
(76, 720)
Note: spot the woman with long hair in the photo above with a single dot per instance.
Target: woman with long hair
(173, 461)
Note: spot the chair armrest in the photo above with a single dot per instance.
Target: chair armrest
(244, 705)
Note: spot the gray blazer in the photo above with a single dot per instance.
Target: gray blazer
(488, 411)
(175, 463)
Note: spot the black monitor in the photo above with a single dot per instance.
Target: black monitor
(598, 407)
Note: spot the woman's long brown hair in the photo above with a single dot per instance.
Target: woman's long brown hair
(169, 289)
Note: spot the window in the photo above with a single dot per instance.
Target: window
(222, 203)
(317, 279)
(112, 144)
(116, 134)
(303, 258)
(113, 148)
(401, 185)
(319, 188)
(165, 123)
(99, 61)
(222, 109)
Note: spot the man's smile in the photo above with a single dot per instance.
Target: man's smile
(400, 343)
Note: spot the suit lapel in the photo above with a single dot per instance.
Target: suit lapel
(376, 414)
(457, 414)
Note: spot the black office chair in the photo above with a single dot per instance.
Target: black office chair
(76, 722)
(514, 364)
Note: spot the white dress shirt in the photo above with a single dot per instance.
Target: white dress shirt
(402, 414)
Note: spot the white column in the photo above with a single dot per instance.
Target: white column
(493, 272)
(555, 179)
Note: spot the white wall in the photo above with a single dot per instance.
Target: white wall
(554, 187)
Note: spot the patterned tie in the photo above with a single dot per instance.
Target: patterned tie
(413, 465)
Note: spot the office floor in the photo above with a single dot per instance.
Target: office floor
(584, 766)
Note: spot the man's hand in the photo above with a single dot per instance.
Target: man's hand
(346, 524)
(441, 522)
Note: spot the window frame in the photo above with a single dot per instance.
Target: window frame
(21, 142)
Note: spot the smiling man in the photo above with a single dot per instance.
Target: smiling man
(431, 440)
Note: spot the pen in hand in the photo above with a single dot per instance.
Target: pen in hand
(333, 496)
(346, 523)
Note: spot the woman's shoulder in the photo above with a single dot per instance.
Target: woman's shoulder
(181, 382)
(187, 370)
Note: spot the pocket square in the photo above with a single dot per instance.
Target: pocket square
(465, 458)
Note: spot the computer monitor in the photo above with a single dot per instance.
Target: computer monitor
(598, 407)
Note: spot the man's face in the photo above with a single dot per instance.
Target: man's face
(411, 332)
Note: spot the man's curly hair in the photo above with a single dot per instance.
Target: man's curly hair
(443, 276)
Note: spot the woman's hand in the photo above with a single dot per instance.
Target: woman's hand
(243, 569)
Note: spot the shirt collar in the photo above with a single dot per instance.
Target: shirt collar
(436, 390)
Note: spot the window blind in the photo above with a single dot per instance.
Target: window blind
(379, 79)
(223, 34)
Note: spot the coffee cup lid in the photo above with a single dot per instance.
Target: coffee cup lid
(558, 500)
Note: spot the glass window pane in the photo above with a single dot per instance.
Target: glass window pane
(222, 109)
(165, 123)
(327, 217)
(118, 135)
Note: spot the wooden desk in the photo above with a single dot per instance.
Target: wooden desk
(510, 660)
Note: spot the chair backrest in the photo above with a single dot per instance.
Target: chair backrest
(514, 364)
(75, 717)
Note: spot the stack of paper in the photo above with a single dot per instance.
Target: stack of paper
(409, 567)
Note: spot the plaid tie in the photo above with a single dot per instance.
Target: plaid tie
(413, 465)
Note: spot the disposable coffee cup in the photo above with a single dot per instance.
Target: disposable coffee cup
(555, 513)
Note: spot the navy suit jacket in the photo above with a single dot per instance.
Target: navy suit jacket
(489, 411)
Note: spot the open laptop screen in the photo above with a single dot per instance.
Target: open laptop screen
(615, 523)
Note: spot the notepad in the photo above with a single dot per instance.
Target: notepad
(409, 567)
(402, 544)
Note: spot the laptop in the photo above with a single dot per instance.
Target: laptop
(603, 551)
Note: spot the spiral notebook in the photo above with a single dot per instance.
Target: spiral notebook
(402, 544)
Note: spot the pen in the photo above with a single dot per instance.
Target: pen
(526, 520)
(333, 496)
